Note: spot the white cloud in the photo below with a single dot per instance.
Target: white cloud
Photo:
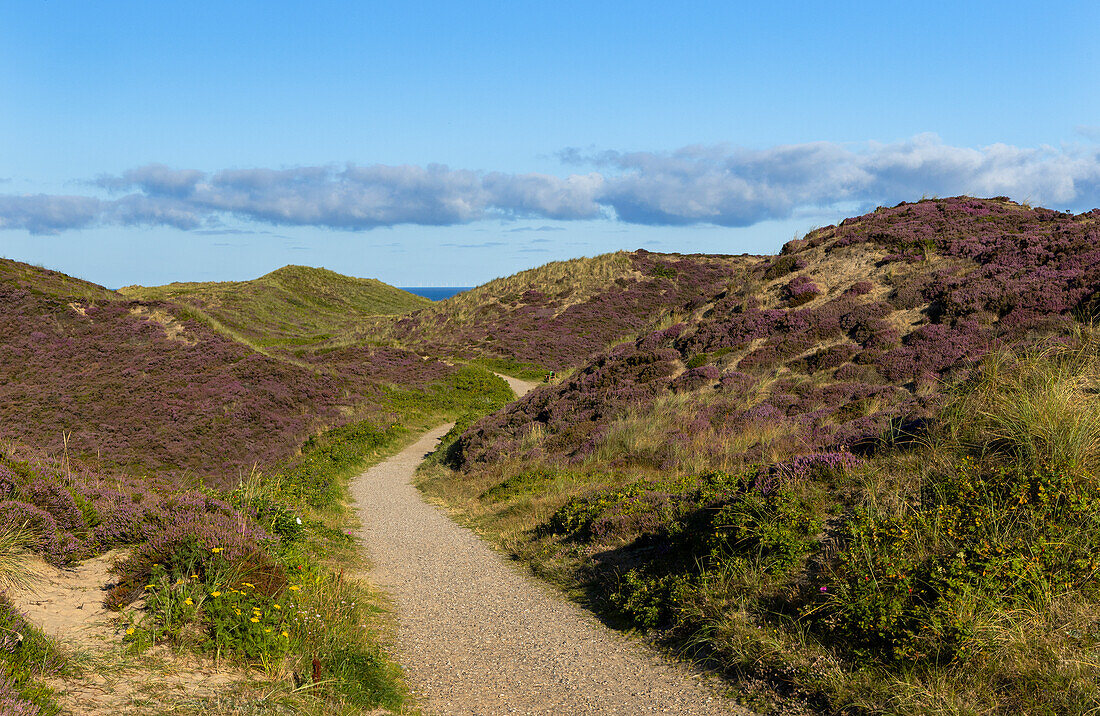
(720, 185)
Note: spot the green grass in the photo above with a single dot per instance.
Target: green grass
(27, 658)
(50, 283)
(1037, 409)
(293, 306)
(514, 368)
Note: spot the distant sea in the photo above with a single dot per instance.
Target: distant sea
(435, 293)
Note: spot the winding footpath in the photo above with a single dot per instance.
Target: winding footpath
(478, 636)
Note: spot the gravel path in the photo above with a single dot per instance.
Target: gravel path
(478, 636)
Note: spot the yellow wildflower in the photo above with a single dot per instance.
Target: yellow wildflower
(294, 587)
(277, 606)
(267, 630)
(188, 601)
(254, 620)
(130, 631)
(215, 550)
(285, 634)
(215, 593)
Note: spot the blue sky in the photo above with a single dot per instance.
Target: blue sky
(449, 143)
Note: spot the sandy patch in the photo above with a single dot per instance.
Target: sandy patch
(67, 604)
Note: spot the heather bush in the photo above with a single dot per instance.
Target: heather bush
(800, 290)
(56, 500)
(56, 546)
(580, 306)
(733, 381)
(12, 701)
(784, 265)
(695, 378)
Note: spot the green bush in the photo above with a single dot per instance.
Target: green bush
(651, 601)
(315, 478)
(907, 586)
(25, 655)
(776, 530)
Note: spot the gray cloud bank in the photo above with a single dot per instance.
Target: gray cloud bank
(720, 185)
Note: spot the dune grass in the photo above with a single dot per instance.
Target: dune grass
(294, 305)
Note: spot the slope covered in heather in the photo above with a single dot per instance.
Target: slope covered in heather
(556, 316)
(149, 387)
(865, 477)
(823, 346)
(112, 410)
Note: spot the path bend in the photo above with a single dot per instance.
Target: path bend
(478, 636)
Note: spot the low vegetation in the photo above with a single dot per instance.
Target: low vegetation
(556, 316)
(857, 477)
(294, 305)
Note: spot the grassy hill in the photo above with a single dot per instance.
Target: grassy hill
(556, 316)
(290, 306)
(865, 476)
(38, 281)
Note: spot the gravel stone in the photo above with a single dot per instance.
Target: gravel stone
(477, 635)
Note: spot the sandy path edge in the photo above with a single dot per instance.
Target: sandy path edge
(478, 636)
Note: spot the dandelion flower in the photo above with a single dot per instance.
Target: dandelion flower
(215, 593)
(130, 631)
(188, 601)
(254, 620)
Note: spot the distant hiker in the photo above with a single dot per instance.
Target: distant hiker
(549, 376)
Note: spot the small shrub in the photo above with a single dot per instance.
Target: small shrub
(783, 265)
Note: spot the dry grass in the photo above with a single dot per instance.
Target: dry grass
(640, 437)
(1037, 408)
(19, 568)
